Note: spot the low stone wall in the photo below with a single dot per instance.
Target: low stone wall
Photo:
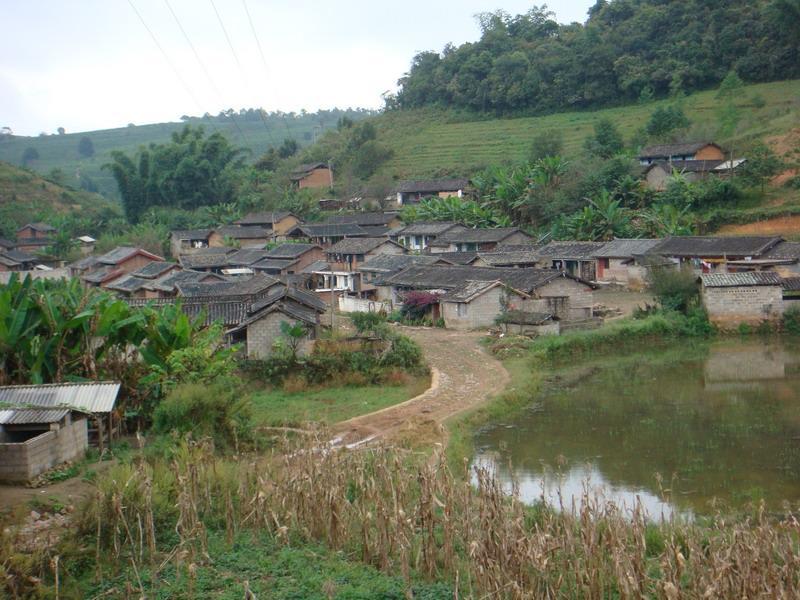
(549, 328)
(23, 461)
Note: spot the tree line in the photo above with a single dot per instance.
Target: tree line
(627, 50)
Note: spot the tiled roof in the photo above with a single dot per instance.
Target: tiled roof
(392, 263)
(503, 258)
(269, 217)
(568, 250)
(95, 397)
(128, 283)
(157, 268)
(204, 261)
(169, 282)
(246, 256)
(244, 233)
(667, 150)
(7, 244)
(700, 246)
(251, 286)
(687, 166)
(317, 265)
(290, 250)
(360, 245)
(432, 185)
(332, 230)
(784, 250)
(427, 228)
(283, 292)
(469, 290)
(791, 284)
(475, 236)
(449, 277)
(456, 258)
(103, 274)
(192, 234)
(123, 253)
(743, 279)
(626, 248)
(364, 218)
(302, 170)
(44, 227)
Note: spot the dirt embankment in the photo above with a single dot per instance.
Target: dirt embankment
(464, 376)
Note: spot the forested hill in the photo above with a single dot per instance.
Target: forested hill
(627, 50)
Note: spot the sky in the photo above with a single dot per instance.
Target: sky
(96, 64)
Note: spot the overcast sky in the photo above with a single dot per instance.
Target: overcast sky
(91, 64)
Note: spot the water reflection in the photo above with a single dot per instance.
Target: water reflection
(716, 421)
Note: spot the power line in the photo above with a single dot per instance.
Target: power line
(169, 62)
(203, 68)
(241, 69)
(263, 58)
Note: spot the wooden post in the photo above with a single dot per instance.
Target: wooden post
(110, 428)
(99, 421)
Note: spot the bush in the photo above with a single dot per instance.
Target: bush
(675, 289)
(791, 319)
(370, 323)
(215, 412)
(404, 353)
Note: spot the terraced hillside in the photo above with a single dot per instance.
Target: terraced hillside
(430, 142)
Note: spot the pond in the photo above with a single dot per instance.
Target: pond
(680, 428)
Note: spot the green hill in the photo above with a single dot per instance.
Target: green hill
(61, 151)
(26, 196)
(428, 142)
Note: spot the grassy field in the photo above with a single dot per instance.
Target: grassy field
(330, 405)
(61, 151)
(430, 142)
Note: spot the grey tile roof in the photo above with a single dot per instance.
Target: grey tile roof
(7, 244)
(427, 228)
(283, 292)
(244, 233)
(268, 217)
(157, 268)
(667, 150)
(791, 284)
(468, 290)
(360, 245)
(95, 397)
(204, 261)
(476, 236)
(168, 282)
(103, 274)
(302, 170)
(744, 279)
(84, 263)
(506, 258)
(7, 261)
(246, 256)
(457, 258)
(122, 253)
(784, 250)
(701, 246)
(251, 286)
(128, 283)
(448, 277)
(192, 234)
(432, 185)
(317, 230)
(364, 218)
(273, 264)
(626, 248)
(687, 166)
(569, 250)
(392, 263)
(290, 250)
(38, 226)
(317, 265)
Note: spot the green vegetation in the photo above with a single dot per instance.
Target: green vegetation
(244, 128)
(627, 50)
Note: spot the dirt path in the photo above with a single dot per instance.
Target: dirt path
(464, 376)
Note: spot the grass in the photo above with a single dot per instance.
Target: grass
(431, 142)
(330, 405)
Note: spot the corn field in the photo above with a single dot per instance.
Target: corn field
(408, 514)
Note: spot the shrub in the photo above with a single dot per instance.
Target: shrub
(791, 319)
(404, 353)
(675, 289)
(370, 323)
(216, 411)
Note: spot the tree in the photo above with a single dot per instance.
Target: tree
(606, 141)
(63, 244)
(761, 166)
(665, 121)
(288, 148)
(728, 114)
(61, 131)
(29, 155)
(86, 147)
(546, 143)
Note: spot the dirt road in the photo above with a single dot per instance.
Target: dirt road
(464, 376)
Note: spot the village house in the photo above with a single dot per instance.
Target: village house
(276, 223)
(43, 426)
(189, 241)
(348, 254)
(253, 236)
(108, 267)
(751, 298)
(34, 237)
(211, 260)
(693, 151)
(377, 268)
(535, 290)
(374, 223)
(783, 258)
(86, 244)
(418, 236)
(135, 283)
(289, 259)
(314, 175)
(507, 256)
(478, 240)
(707, 254)
(576, 258)
(6, 244)
(658, 175)
(623, 261)
(17, 260)
(412, 192)
(326, 234)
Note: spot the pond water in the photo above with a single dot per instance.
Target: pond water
(679, 428)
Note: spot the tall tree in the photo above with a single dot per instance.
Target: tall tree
(86, 147)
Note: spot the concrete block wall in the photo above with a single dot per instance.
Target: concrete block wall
(262, 335)
(728, 307)
(23, 461)
(580, 296)
(480, 313)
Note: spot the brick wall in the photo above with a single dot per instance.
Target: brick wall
(580, 297)
(481, 312)
(318, 178)
(23, 461)
(728, 307)
(262, 334)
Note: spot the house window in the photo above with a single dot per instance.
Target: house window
(462, 309)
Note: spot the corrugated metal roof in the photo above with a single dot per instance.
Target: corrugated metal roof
(26, 416)
(87, 397)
